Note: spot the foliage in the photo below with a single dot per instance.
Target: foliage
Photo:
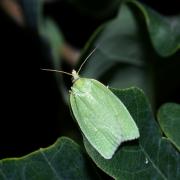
(152, 156)
(138, 47)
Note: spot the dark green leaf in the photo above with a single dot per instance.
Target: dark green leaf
(149, 157)
(122, 53)
(52, 35)
(126, 57)
(121, 39)
(164, 31)
(54, 40)
(62, 161)
(169, 120)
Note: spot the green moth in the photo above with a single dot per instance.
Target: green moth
(101, 116)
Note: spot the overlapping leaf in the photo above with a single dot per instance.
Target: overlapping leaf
(163, 30)
(63, 160)
(122, 53)
(169, 120)
(150, 157)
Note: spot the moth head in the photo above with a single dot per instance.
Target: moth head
(75, 76)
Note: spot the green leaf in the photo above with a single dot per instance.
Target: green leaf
(53, 38)
(121, 39)
(126, 55)
(169, 120)
(63, 160)
(52, 35)
(122, 53)
(150, 157)
(163, 30)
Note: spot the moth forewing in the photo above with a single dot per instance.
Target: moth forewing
(101, 116)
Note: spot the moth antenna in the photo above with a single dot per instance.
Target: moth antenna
(86, 59)
(53, 70)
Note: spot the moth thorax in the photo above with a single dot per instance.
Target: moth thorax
(75, 75)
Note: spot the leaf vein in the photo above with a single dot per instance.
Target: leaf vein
(50, 165)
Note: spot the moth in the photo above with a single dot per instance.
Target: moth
(102, 117)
